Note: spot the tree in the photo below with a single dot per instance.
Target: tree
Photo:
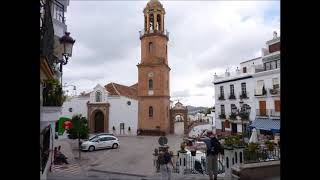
(79, 129)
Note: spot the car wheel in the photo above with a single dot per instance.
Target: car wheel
(115, 146)
(91, 148)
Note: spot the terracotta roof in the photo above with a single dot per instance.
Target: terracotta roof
(121, 90)
(135, 86)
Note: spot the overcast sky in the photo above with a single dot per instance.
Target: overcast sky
(205, 37)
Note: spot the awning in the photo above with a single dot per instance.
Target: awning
(266, 124)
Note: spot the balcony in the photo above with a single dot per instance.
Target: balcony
(221, 97)
(260, 92)
(233, 116)
(58, 11)
(232, 96)
(244, 115)
(144, 33)
(274, 113)
(222, 116)
(274, 91)
(262, 112)
(243, 95)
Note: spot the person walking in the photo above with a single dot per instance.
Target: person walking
(213, 149)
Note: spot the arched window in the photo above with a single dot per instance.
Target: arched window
(151, 22)
(98, 96)
(150, 47)
(150, 84)
(150, 111)
(158, 22)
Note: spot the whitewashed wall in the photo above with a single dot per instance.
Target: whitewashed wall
(78, 105)
(121, 112)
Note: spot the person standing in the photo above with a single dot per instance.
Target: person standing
(164, 160)
(213, 149)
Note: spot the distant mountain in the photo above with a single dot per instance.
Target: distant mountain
(192, 110)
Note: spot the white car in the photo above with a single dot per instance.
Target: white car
(101, 142)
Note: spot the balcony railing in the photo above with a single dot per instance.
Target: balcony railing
(244, 95)
(267, 112)
(143, 32)
(222, 116)
(232, 96)
(274, 91)
(260, 92)
(274, 113)
(262, 112)
(221, 97)
(233, 116)
(58, 11)
(244, 115)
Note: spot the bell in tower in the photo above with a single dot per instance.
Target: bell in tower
(154, 17)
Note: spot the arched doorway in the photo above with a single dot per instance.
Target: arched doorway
(179, 125)
(178, 119)
(98, 122)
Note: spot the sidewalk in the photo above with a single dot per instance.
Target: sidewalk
(66, 171)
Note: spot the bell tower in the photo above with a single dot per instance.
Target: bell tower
(153, 71)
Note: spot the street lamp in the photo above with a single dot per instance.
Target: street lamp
(67, 42)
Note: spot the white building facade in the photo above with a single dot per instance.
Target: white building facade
(119, 111)
(250, 94)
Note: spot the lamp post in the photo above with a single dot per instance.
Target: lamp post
(67, 42)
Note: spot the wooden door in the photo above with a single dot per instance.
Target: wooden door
(262, 107)
(277, 105)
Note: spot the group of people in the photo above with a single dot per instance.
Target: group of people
(214, 148)
(59, 157)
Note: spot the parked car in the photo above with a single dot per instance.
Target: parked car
(95, 136)
(100, 142)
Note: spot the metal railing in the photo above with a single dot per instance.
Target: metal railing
(262, 112)
(267, 112)
(143, 32)
(243, 95)
(274, 113)
(261, 155)
(193, 164)
(232, 96)
(221, 97)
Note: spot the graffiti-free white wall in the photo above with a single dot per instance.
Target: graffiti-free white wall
(121, 112)
(77, 105)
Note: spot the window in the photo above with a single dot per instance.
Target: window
(103, 139)
(150, 47)
(150, 111)
(129, 103)
(275, 83)
(109, 138)
(260, 85)
(221, 91)
(158, 22)
(222, 127)
(98, 96)
(244, 69)
(222, 109)
(70, 109)
(231, 90)
(243, 89)
(150, 84)
(273, 65)
(278, 63)
(233, 108)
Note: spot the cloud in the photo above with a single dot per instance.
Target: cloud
(205, 37)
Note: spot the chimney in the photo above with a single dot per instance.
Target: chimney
(237, 71)
(227, 73)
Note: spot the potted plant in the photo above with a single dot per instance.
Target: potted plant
(113, 128)
(252, 147)
(269, 145)
(129, 129)
(183, 147)
(264, 92)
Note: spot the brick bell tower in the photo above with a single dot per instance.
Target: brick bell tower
(153, 71)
